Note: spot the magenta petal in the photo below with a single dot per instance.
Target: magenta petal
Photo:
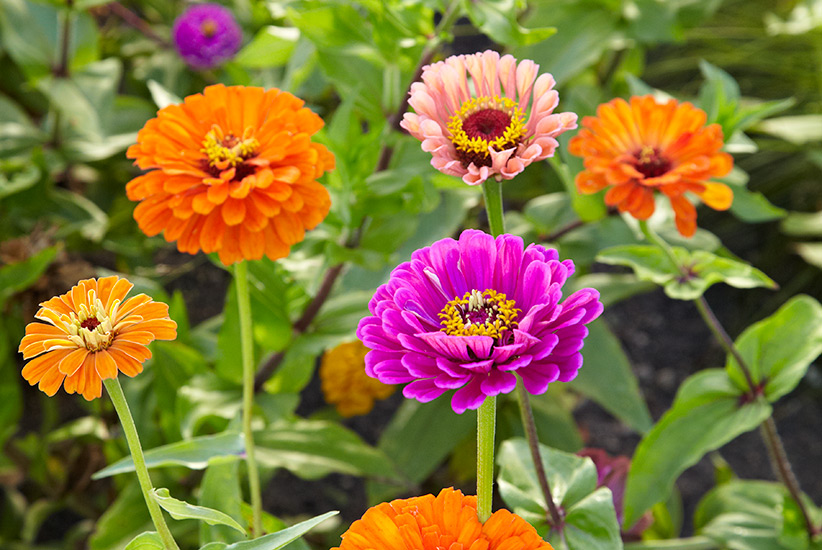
(537, 377)
(422, 390)
(469, 397)
(498, 382)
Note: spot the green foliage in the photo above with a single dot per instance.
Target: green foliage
(709, 411)
(590, 520)
(699, 269)
(179, 509)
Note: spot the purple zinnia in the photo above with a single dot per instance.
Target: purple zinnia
(206, 35)
(468, 314)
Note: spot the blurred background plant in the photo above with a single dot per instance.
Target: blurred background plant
(80, 77)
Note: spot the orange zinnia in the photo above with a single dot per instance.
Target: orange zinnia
(445, 522)
(233, 171)
(638, 147)
(92, 334)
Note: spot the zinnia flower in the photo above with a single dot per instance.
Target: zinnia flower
(90, 334)
(445, 522)
(344, 382)
(206, 35)
(233, 171)
(488, 126)
(642, 146)
(469, 314)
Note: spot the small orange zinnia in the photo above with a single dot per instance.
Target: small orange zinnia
(445, 522)
(642, 146)
(91, 335)
(344, 382)
(233, 171)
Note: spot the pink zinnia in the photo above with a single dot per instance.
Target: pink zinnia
(486, 126)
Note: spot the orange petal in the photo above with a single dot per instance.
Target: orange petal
(104, 365)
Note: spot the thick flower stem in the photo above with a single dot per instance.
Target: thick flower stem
(533, 443)
(247, 347)
(487, 413)
(492, 191)
(486, 426)
(115, 392)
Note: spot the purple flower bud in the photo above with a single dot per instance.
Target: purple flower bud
(206, 35)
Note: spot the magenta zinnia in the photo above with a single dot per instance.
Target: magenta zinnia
(468, 315)
(483, 115)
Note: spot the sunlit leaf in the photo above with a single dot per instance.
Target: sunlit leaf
(179, 509)
(708, 412)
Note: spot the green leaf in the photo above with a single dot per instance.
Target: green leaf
(803, 224)
(607, 378)
(19, 180)
(179, 509)
(583, 35)
(126, 518)
(498, 19)
(589, 512)
(719, 96)
(707, 413)
(810, 252)
(271, 47)
(779, 349)
(194, 454)
(277, 540)
(650, 263)
(21, 275)
(146, 541)
(745, 515)
(161, 95)
(797, 129)
(221, 488)
(312, 449)
(435, 431)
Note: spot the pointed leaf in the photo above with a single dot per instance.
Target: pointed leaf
(704, 269)
(707, 413)
(779, 349)
(277, 540)
(179, 509)
(146, 541)
(193, 453)
(221, 488)
(313, 448)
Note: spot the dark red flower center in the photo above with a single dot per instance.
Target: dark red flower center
(650, 163)
(486, 124)
(91, 323)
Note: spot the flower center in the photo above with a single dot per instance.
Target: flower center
(484, 122)
(91, 327)
(224, 151)
(208, 28)
(650, 163)
(487, 313)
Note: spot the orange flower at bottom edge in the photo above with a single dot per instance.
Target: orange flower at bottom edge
(90, 334)
(447, 522)
(344, 382)
(644, 146)
(232, 170)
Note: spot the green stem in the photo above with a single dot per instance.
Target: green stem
(533, 443)
(661, 243)
(115, 392)
(247, 347)
(492, 190)
(486, 426)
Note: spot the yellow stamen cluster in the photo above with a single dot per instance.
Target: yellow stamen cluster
(647, 154)
(499, 312)
(227, 150)
(94, 338)
(512, 134)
